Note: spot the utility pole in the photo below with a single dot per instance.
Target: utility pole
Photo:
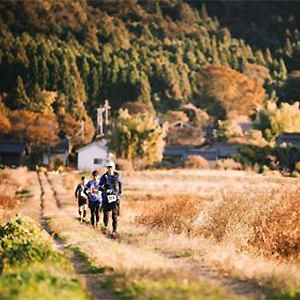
(49, 141)
(106, 112)
(99, 131)
(82, 132)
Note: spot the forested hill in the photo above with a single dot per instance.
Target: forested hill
(67, 57)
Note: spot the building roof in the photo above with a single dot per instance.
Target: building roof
(218, 150)
(13, 147)
(185, 151)
(289, 137)
(99, 143)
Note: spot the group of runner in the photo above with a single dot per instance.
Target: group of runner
(100, 194)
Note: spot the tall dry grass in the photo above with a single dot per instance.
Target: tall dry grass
(259, 221)
(10, 182)
(177, 213)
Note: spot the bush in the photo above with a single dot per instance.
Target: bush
(228, 164)
(195, 162)
(22, 241)
(58, 163)
(124, 165)
(42, 169)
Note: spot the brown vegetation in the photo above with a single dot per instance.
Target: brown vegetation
(195, 162)
(177, 213)
(11, 182)
(233, 91)
(228, 164)
(252, 220)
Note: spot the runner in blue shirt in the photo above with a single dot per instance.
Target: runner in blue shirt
(111, 187)
(94, 195)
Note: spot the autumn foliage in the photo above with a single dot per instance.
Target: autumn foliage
(38, 128)
(228, 91)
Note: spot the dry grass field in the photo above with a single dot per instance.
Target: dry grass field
(195, 234)
(14, 190)
(239, 224)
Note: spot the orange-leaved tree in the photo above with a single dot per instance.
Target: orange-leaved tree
(39, 129)
(226, 92)
(80, 131)
(4, 121)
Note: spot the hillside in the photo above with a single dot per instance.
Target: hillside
(67, 57)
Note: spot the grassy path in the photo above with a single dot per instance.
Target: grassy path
(136, 265)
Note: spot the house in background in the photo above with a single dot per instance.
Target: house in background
(60, 151)
(93, 156)
(210, 153)
(13, 153)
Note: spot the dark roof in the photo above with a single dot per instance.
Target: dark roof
(219, 150)
(12, 147)
(289, 137)
(185, 151)
(226, 149)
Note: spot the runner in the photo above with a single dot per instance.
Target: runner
(111, 187)
(81, 197)
(94, 195)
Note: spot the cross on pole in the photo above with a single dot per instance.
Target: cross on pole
(106, 112)
(82, 132)
(100, 111)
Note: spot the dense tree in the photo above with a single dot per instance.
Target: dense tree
(227, 91)
(4, 121)
(138, 137)
(39, 129)
(70, 56)
(273, 120)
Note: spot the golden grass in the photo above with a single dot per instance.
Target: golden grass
(11, 181)
(250, 219)
(245, 225)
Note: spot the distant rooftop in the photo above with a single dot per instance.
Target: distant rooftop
(13, 147)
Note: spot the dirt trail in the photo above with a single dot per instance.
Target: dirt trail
(37, 208)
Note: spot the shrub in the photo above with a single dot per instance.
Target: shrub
(124, 165)
(275, 120)
(195, 162)
(42, 169)
(58, 163)
(22, 241)
(228, 164)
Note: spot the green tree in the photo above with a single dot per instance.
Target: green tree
(273, 121)
(138, 136)
(20, 99)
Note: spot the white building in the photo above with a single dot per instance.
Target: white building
(92, 156)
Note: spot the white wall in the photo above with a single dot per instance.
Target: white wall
(86, 158)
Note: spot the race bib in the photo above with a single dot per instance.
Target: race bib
(111, 198)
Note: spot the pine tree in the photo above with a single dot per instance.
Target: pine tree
(21, 100)
(145, 90)
(85, 72)
(203, 12)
